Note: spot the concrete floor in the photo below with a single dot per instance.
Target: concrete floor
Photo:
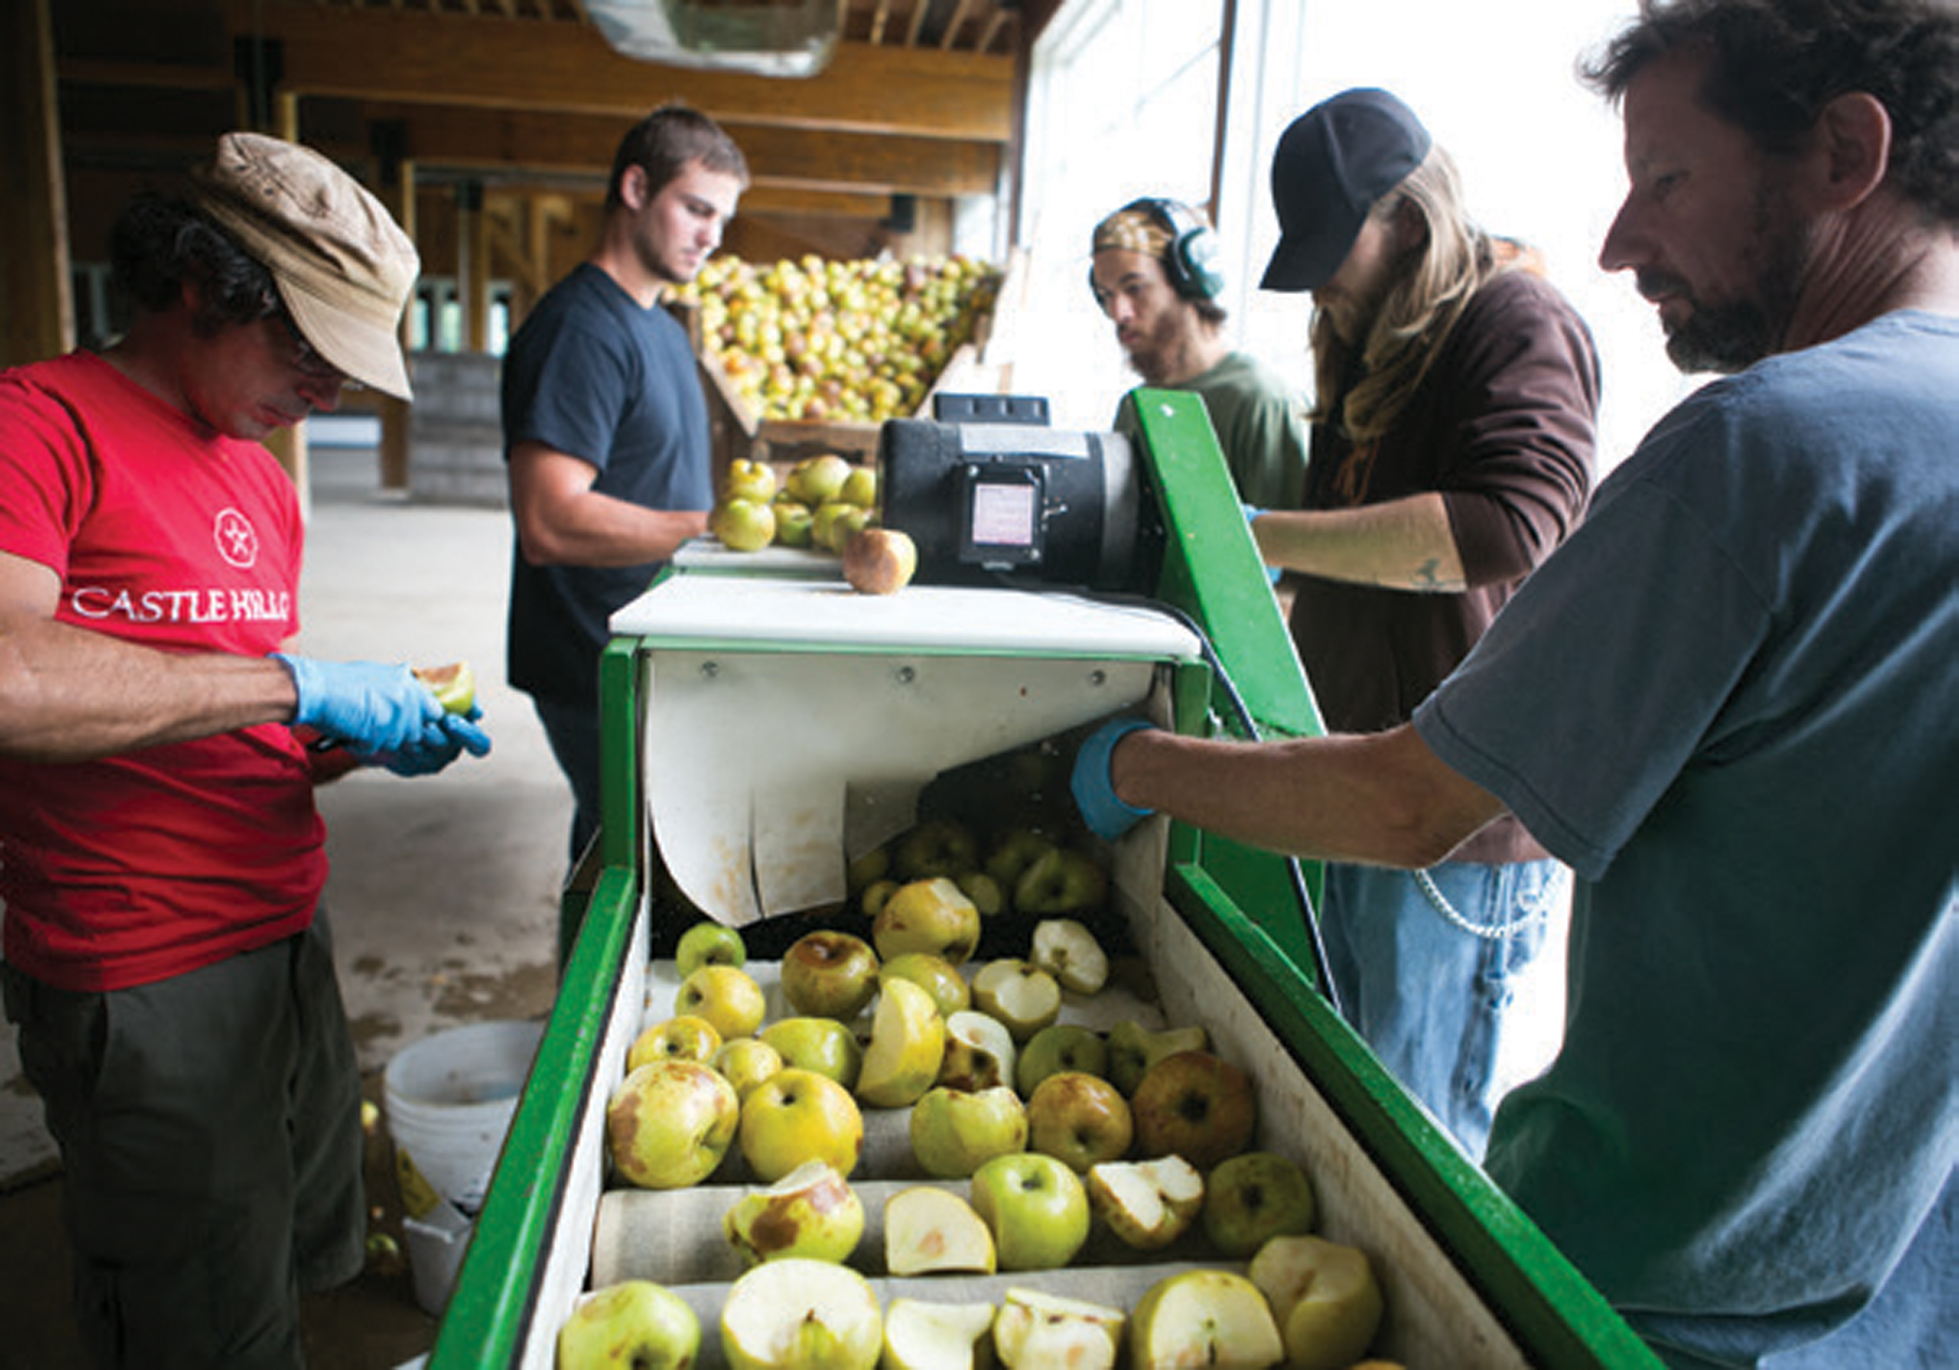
(443, 890)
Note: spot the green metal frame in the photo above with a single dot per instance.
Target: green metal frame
(1240, 903)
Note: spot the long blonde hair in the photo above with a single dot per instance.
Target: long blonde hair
(1417, 313)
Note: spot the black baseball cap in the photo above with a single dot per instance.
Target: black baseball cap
(1333, 163)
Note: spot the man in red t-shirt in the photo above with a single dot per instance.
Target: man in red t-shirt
(161, 858)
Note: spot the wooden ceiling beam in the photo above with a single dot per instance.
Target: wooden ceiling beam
(584, 144)
(441, 59)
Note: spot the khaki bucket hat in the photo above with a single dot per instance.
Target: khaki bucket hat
(343, 266)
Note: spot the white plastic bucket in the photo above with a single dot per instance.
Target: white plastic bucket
(449, 1099)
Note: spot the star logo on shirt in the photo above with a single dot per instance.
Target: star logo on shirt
(236, 538)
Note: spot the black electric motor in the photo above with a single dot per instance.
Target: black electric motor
(989, 492)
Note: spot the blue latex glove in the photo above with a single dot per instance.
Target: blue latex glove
(370, 708)
(1107, 816)
(441, 742)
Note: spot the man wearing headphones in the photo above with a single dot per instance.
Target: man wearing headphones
(1155, 274)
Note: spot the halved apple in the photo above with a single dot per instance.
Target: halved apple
(1018, 993)
(907, 1046)
(1147, 1204)
(1035, 1330)
(927, 1229)
(1067, 950)
(1211, 1318)
(936, 1336)
(799, 1314)
(979, 1052)
(1325, 1297)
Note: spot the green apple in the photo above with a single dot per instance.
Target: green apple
(669, 1123)
(1254, 1197)
(1213, 1318)
(829, 974)
(834, 523)
(879, 561)
(1036, 1330)
(683, 1037)
(727, 997)
(743, 525)
(906, 1049)
(745, 1062)
(989, 896)
(794, 523)
(1147, 1204)
(1133, 1049)
(1018, 993)
(1058, 1047)
(799, 1314)
(860, 487)
(748, 479)
(1035, 1207)
(708, 943)
(796, 1116)
(932, 915)
(935, 975)
(816, 479)
(1067, 950)
(937, 846)
(1200, 1106)
(1079, 1119)
(921, 1335)
(823, 1045)
(1325, 1297)
(1064, 881)
(634, 1322)
(928, 1230)
(812, 1211)
(454, 685)
(979, 1052)
(1014, 851)
(954, 1132)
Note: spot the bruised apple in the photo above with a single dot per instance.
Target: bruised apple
(879, 561)
(454, 685)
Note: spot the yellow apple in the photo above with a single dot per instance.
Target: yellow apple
(906, 1049)
(933, 916)
(708, 943)
(1079, 1119)
(1134, 1048)
(454, 685)
(747, 478)
(879, 561)
(829, 974)
(796, 1116)
(726, 996)
(743, 525)
(823, 1045)
(1254, 1197)
(669, 1124)
(634, 1322)
(816, 479)
(1325, 1297)
(954, 1132)
(1213, 1318)
(929, 1230)
(747, 1061)
(860, 487)
(1058, 1047)
(812, 1211)
(684, 1037)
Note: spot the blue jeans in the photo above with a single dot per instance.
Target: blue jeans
(573, 732)
(1430, 993)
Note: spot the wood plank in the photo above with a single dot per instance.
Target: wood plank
(438, 59)
(584, 144)
(35, 295)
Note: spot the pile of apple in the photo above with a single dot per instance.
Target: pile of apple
(1033, 1135)
(853, 341)
(824, 504)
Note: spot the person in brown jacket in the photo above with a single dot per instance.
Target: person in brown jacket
(1452, 450)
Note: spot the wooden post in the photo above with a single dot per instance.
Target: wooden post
(399, 195)
(289, 444)
(37, 314)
